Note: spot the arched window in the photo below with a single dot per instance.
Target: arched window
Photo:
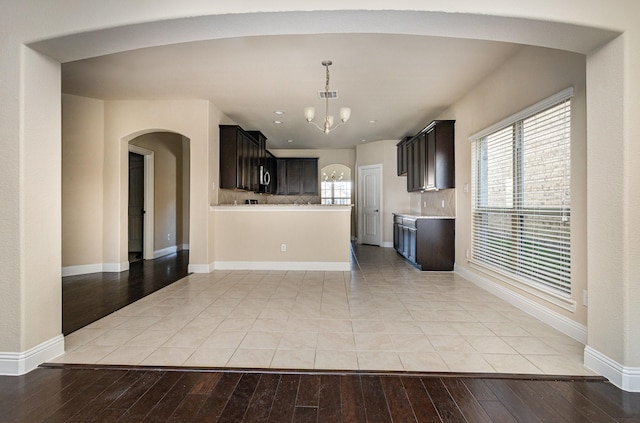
(335, 184)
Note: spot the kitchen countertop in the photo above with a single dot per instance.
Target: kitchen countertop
(281, 207)
(422, 216)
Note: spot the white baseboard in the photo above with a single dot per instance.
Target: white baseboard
(115, 267)
(625, 378)
(283, 265)
(387, 244)
(169, 250)
(556, 320)
(85, 269)
(19, 363)
(165, 251)
(200, 268)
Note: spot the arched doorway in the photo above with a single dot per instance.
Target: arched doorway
(159, 201)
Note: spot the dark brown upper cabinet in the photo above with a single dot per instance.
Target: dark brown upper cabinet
(297, 176)
(430, 157)
(240, 157)
(402, 156)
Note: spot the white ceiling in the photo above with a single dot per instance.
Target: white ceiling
(399, 81)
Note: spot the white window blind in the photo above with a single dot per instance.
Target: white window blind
(521, 201)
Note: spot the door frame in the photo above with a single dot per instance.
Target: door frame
(148, 222)
(359, 202)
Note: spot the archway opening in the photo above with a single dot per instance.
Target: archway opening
(161, 226)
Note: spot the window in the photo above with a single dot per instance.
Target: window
(335, 190)
(521, 196)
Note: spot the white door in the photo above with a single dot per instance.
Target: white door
(370, 204)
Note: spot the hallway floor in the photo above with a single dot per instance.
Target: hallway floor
(87, 298)
(383, 315)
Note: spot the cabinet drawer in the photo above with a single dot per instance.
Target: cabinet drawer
(408, 222)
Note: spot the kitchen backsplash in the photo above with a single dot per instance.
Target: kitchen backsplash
(228, 196)
(430, 203)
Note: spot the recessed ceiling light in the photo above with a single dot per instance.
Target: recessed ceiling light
(289, 140)
(279, 112)
(372, 121)
(363, 140)
(277, 122)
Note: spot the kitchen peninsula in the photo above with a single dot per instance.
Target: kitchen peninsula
(281, 237)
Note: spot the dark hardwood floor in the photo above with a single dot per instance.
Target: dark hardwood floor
(81, 394)
(87, 298)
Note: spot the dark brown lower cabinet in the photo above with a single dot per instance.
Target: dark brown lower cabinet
(428, 244)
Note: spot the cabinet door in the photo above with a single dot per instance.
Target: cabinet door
(405, 240)
(294, 177)
(254, 169)
(402, 153)
(444, 161)
(243, 156)
(413, 171)
(435, 244)
(230, 146)
(411, 245)
(310, 177)
(409, 154)
(396, 237)
(416, 166)
(246, 163)
(430, 162)
(281, 180)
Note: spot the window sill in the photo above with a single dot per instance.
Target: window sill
(538, 291)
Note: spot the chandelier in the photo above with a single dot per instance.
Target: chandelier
(310, 112)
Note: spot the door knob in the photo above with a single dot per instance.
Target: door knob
(376, 210)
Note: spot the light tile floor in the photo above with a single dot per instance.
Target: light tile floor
(383, 315)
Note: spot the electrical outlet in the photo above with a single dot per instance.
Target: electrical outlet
(585, 298)
(283, 248)
(443, 204)
(424, 204)
(168, 237)
(466, 253)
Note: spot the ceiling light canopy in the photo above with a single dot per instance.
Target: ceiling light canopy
(310, 112)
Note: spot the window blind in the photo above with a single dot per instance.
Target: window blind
(521, 198)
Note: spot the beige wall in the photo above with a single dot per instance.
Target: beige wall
(90, 223)
(82, 180)
(125, 120)
(395, 197)
(613, 219)
(530, 76)
(40, 246)
(184, 168)
(170, 182)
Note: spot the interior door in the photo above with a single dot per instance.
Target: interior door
(370, 188)
(136, 202)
